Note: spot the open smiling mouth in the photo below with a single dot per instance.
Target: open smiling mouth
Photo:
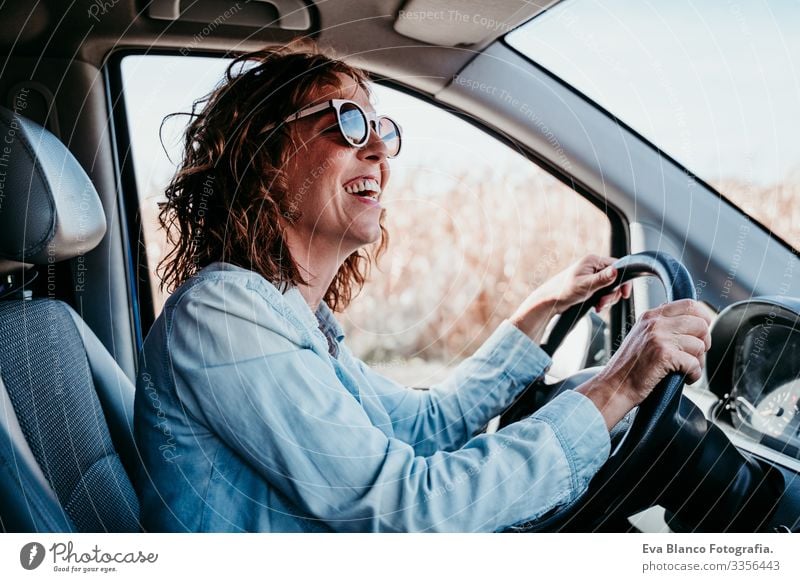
(367, 190)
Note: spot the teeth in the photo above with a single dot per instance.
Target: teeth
(364, 186)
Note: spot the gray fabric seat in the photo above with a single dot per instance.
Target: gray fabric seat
(66, 426)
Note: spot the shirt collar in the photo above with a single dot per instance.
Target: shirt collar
(323, 318)
(296, 303)
(328, 322)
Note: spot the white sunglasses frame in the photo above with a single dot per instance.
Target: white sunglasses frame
(336, 104)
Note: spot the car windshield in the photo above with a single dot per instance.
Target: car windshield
(714, 84)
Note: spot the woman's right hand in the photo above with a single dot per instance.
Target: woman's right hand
(673, 337)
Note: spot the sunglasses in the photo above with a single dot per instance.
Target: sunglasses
(355, 124)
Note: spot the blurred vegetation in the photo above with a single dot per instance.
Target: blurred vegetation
(464, 252)
(462, 258)
(776, 206)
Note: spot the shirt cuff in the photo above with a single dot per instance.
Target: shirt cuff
(511, 350)
(582, 432)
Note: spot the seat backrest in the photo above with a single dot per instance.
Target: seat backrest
(65, 407)
(27, 502)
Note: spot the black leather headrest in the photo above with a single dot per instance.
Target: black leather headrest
(49, 209)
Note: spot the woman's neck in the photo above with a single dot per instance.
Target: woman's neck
(318, 265)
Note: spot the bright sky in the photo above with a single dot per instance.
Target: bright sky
(715, 83)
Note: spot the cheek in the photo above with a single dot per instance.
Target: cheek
(317, 172)
(306, 176)
(315, 164)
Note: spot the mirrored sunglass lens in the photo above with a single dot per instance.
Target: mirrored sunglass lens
(390, 134)
(353, 122)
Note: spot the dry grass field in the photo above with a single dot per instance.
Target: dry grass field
(462, 261)
(777, 206)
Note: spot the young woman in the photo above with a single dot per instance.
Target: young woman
(251, 412)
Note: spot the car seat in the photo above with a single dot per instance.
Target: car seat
(66, 408)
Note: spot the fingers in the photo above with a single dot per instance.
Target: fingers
(695, 348)
(602, 278)
(597, 262)
(607, 300)
(687, 317)
(686, 307)
(621, 292)
(591, 274)
(627, 289)
(688, 364)
(689, 324)
(685, 333)
(691, 345)
(684, 336)
(671, 338)
(597, 267)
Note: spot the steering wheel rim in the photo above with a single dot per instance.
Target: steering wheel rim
(603, 498)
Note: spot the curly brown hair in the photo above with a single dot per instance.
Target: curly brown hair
(225, 200)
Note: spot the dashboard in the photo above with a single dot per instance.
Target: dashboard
(753, 367)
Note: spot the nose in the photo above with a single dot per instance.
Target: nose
(375, 149)
(375, 152)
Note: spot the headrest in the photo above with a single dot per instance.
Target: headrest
(49, 209)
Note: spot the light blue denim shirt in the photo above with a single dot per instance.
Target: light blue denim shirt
(246, 422)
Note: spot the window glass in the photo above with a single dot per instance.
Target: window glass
(474, 226)
(715, 84)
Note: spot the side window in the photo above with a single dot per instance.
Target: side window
(473, 226)
(155, 86)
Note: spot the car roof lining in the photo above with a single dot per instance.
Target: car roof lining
(473, 23)
(364, 33)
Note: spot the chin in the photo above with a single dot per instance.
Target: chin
(362, 240)
(366, 237)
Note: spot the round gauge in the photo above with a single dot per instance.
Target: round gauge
(774, 413)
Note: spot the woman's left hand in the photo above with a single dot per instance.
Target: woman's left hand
(573, 285)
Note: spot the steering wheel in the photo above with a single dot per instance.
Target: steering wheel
(670, 454)
(651, 426)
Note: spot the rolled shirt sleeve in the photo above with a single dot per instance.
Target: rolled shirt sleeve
(283, 409)
(478, 389)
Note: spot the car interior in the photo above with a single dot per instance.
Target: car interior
(75, 298)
